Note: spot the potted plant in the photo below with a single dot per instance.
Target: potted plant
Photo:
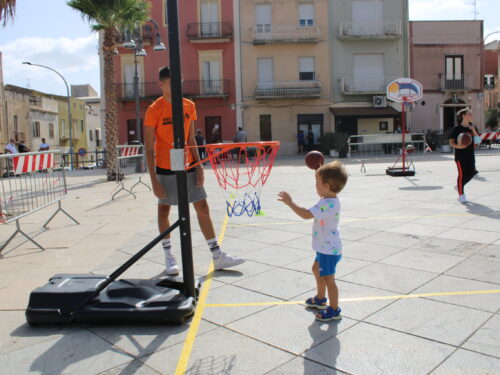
(333, 143)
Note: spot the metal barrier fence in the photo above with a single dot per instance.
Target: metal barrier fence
(130, 164)
(91, 160)
(29, 182)
(363, 146)
(490, 141)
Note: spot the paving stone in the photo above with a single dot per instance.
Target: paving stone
(397, 279)
(435, 320)
(367, 349)
(425, 261)
(450, 284)
(221, 352)
(477, 270)
(303, 366)
(297, 333)
(463, 362)
(486, 339)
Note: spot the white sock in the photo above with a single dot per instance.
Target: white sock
(214, 247)
(167, 247)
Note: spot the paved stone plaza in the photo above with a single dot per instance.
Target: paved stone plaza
(419, 280)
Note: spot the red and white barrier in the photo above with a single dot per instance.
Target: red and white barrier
(32, 163)
(490, 136)
(125, 151)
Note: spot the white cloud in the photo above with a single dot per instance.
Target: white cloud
(76, 59)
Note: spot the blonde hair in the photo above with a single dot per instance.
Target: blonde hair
(334, 174)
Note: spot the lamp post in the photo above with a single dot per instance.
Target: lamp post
(69, 109)
(137, 45)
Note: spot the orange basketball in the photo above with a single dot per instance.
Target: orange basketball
(314, 159)
(464, 139)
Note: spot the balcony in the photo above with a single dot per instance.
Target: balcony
(386, 30)
(464, 83)
(214, 88)
(288, 89)
(208, 32)
(364, 86)
(266, 34)
(125, 91)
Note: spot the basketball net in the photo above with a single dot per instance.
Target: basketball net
(241, 170)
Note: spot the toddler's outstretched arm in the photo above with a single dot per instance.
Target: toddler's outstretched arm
(304, 213)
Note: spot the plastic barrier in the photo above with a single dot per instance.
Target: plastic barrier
(130, 165)
(30, 182)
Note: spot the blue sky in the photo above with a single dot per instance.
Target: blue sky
(58, 37)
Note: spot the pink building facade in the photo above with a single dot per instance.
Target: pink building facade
(207, 63)
(447, 57)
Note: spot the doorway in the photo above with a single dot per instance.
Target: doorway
(312, 126)
(212, 122)
(450, 109)
(348, 125)
(131, 130)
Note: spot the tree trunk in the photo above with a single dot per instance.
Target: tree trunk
(110, 115)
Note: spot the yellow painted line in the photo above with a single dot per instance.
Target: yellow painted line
(200, 308)
(372, 219)
(400, 296)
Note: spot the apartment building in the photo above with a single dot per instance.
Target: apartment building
(447, 57)
(491, 74)
(17, 115)
(207, 62)
(285, 70)
(368, 49)
(92, 109)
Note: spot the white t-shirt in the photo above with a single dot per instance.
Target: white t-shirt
(11, 147)
(326, 236)
(44, 146)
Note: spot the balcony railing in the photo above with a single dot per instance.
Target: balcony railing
(126, 91)
(370, 30)
(214, 88)
(209, 30)
(288, 89)
(361, 86)
(262, 34)
(463, 83)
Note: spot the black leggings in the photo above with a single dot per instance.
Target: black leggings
(465, 173)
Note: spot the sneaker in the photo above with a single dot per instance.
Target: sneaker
(462, 198)
(316, 303)
(329, 314)
(225, 261)
(171, 265)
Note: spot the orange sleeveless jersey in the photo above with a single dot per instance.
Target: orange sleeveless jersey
(159, 116)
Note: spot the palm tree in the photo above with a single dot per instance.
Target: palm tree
(109, 16)
(7, 9)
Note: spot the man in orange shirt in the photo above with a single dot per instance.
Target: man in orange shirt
(159, 140)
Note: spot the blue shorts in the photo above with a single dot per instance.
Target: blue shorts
(327, 263)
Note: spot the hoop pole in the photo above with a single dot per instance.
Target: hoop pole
(403, 127)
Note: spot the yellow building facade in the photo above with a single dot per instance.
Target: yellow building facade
(285, 75)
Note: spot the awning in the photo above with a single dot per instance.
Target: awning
(365, 112)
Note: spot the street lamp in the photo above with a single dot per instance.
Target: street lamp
(69, 108)
(137, 45)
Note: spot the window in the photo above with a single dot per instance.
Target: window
(51, 130)
(97, 138)
(81, 126)
(63, 127)
(454, 68)
(368, 72)
(36, 129)
(265, 70)
(367, 17)
(265, 128)
(212, 83)
(306, 15)
(306, 69)
(91, 135)
(263, 18)
(15, 124)
(209, 18)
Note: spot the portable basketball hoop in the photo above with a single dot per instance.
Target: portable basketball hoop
(241, 170)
